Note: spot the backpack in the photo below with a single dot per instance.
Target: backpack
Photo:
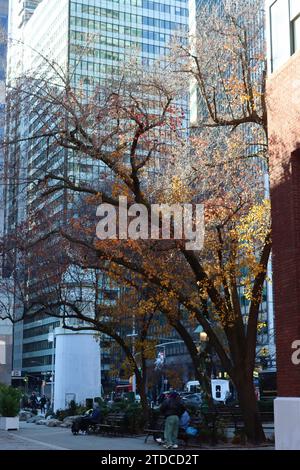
(190, 431)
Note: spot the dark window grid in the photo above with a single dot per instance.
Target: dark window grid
(295, 21)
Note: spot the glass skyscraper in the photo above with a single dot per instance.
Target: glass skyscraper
(5, 326)
(62, 29)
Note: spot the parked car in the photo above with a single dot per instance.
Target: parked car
(193, 399)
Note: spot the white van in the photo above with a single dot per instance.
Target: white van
(193, 386)
(220, 388)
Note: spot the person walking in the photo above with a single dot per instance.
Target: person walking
(43, 402)
(33, 401)
(172, 408)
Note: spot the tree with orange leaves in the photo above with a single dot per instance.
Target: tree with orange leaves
(133, 133)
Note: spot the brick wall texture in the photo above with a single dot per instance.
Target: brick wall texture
(283, 98)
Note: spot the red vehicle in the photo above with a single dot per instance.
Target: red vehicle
(121, 391)
(123, 388)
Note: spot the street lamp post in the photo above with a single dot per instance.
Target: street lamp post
(133, 335)
(160, 362)
(51, 339)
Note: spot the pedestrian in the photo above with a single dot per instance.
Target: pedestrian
(48, 404)
(172, 408)
(43, 402)
(33, 401)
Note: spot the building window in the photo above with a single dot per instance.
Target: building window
(2, 352)
(294, 8)
(280, 33)
(296, 34)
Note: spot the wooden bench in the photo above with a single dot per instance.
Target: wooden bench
(156, 430)
(113, 424)
(230, 416)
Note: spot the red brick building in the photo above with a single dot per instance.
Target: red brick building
(283, 98)
(284, 134)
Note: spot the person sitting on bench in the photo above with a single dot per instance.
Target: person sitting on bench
(93, 418)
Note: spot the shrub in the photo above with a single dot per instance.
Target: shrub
(73, 410)
(134, 419)
(9, 401)
(266, 405)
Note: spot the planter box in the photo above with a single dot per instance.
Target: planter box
(9, 424)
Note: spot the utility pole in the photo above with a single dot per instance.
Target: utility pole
(133, 335)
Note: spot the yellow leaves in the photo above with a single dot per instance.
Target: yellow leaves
(245, 98)
(254, 227)
(94, 199)
(180, 191)
(261, 326)
(120, 189)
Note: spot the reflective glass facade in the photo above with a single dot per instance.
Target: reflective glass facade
(62, 29)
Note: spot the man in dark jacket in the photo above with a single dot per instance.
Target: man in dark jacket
(93, 418)
(172, 408)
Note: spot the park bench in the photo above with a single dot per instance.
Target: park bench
(227, 416)
(113, 425)
(156, 429)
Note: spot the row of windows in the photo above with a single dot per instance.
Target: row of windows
(151, 49)
(161, 7)
(91, 81)
(96, 68)
(108, 41)
(39, 330)
(78, 7)
(37, 361)
(163, 24)
(36, 346)
(106, 27)
(95, 25)
(96, 11)
(124, 31)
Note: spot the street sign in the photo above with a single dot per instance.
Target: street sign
(16, 373)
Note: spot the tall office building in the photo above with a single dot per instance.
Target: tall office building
(5, 298)
(283, 91)
(61, 29)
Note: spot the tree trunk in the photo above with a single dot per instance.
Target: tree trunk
(141, 388)
(249, 408)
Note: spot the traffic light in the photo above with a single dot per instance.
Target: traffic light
(26, 379)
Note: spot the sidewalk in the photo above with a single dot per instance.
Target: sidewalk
(39, 437)
(13, 441)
